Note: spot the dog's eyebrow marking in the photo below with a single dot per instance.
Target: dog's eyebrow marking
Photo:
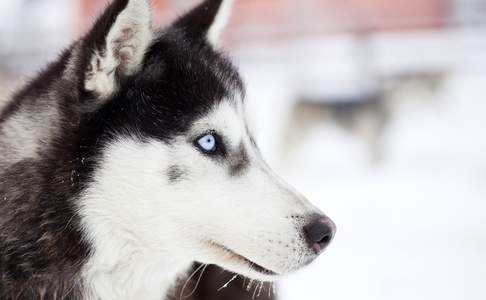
(176, 174)
(239, 161)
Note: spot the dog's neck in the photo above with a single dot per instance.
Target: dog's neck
(129, 274)
(122, 266)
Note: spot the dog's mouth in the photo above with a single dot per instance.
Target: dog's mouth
(240, 258)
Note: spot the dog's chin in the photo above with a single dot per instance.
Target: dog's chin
(237, 263)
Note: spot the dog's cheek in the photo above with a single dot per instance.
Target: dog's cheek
(176, 174)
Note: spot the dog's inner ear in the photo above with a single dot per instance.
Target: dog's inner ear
(206, 21)
(117, 44)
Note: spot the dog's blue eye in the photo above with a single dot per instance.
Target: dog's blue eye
(207, 143)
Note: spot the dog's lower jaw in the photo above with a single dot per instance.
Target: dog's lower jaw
(240, 264)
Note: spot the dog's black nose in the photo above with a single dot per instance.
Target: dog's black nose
(319, 233)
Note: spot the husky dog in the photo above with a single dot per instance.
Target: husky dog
(129, 159)
(365, 118)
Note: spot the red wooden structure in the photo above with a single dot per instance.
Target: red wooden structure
(264, 19)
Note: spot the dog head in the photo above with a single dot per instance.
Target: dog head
(174, 167)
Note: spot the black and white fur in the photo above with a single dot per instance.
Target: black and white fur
(104, 193)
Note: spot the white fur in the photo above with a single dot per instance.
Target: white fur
(147, 230)
(219, 24)
(127, 264)
(126, 43)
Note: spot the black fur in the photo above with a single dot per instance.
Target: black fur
(197, 22)
(211, 287)
(42, 247)
(41, 244)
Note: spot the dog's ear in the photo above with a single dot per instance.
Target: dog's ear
(207, 20)
(116, 45)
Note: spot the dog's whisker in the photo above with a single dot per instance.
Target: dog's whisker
(189, 279)
(254, 291)
(260, 289)
(198, 280)
(227, 283)
(248, 287)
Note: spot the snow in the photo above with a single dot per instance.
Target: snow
(412, 227)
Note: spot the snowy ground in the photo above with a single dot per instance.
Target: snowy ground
(411, 228)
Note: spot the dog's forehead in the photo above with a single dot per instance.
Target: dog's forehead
(195, 72)
(197, 68)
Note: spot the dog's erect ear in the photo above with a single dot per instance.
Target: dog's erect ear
(116, 45)
(207, 20)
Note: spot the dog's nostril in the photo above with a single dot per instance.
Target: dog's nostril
(319, 233)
